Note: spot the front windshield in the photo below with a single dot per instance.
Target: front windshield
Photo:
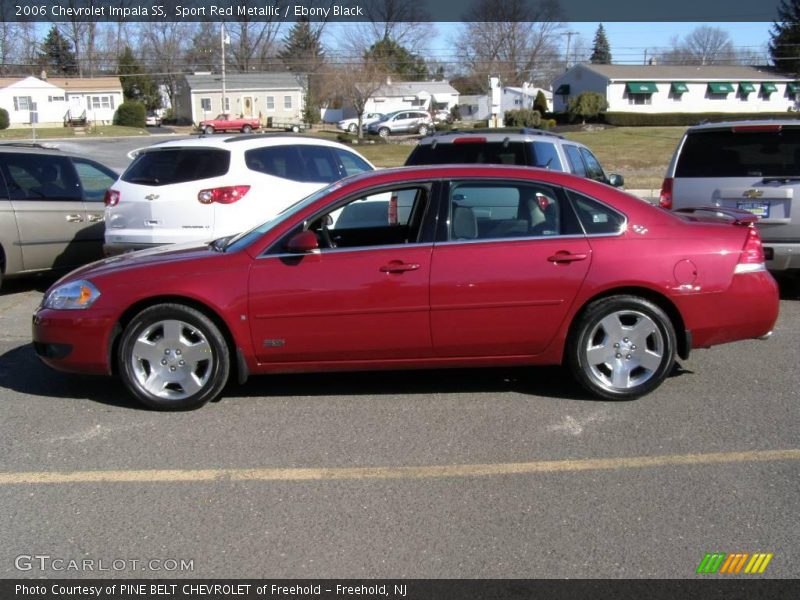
(246, 238)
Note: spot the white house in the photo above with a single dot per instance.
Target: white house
(20, 96)
(96, 98)
(477, 108)
(268, 96)
(425, 95)
(679, 89)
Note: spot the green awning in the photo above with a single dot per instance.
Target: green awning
(720, 88)
(746, 87)
(641, 87)
(679, 87)
(793, 87)
(563, 90)
(768, 88)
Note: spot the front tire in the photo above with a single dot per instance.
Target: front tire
(247, 129)
(621, 347)
(352, 128)
(383, 132)
(208, 130)
(423, 130)
(172, 357)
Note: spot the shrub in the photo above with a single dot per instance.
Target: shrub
(130, 114)
(587, 105)
(455, 112)
(624, 119)
(3, 118)
(540, 103)
(523, 117)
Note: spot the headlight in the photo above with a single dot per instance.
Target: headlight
(74, 295)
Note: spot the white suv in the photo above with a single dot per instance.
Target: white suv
(202, 189)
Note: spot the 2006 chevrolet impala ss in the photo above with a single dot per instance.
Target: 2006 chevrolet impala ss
(421, 267)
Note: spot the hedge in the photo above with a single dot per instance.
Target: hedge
(3, 118)
(130, 114)
(684, 119)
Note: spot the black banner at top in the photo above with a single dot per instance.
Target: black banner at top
(387, 10)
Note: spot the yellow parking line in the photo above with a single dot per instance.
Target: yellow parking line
(419, 472)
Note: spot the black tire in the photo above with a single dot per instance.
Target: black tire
(621, 347)
(247, 129)
(197, 379)
(352, 128)
(295, 129)
(423, 130)
(384, 132)
(208, 130)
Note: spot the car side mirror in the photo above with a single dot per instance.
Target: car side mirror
(616, 180)
(305, 241)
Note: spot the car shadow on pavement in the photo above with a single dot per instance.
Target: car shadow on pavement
(22, 372)
(38, 283)
(789, 286)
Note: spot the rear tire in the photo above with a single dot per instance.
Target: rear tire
(172, 357)
(352, 128)
(621, 347)
(295, 129)
(423, 130)
(208, 130)
(383, 132)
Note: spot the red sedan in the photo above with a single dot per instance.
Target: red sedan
(420, 267)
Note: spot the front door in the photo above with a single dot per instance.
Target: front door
(247, 106)
(363, 296)
(503, 282)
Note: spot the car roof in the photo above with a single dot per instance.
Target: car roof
(245, 141)
(749, 123)
(491, 135)
(37, 149)
(489, 171)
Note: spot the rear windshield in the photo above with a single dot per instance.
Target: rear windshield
(740, 154)
(497, 153)
(177, 165)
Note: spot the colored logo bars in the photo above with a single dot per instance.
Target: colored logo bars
(733, 564)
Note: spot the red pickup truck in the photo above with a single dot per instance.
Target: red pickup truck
(227, 122)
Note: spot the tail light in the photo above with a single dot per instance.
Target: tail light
(223, 195)
(111, 198)
(752, 256)
(665, 199)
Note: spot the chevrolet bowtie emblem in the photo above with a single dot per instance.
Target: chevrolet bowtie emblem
(753, 193)
(151, 197)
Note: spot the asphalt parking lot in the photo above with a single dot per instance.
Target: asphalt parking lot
(445, 474)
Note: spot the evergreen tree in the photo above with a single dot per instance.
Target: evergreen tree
(304, 56)
(784, 47)
(136, 84)
(397, 60)
(601, 51)
(540, 103)
(56, 55)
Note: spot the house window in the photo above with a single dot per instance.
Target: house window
(270, 102)
(226, 104)
(23, 103)
(205, 104)
(55, 98)
(96, 102)
(640, 99)
(287, 102)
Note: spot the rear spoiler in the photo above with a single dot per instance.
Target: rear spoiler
(739, 216)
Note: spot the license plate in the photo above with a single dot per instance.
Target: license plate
(759, 209)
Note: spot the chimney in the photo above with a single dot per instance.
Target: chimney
(43, 75)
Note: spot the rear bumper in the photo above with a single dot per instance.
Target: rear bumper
(784, 256)
(121, 241)
(72, 341)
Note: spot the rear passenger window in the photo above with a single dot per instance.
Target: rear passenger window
(308, 164)
(488, 211)
(40, 177)
(597, 218)
(575, 160)
(545, 156)
(351, 163)
(177, 165)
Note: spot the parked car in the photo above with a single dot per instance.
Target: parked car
(51, 209)
(205, 188)
(531, 147)
(403, 121)
(152, 119)
(750, 165)
(490, 265)
(227, 122)
(351, 125)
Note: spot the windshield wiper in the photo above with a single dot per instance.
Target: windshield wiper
(142, 180)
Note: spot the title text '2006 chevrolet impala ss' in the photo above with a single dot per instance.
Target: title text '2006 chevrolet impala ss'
(421, 267)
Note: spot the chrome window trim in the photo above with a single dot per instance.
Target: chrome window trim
(321, 251)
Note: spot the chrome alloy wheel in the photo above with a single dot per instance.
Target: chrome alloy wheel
(172, 359)
(624, 350)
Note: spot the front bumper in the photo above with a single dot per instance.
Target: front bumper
(73, 340)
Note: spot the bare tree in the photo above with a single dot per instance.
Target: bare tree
(165, 45)
(396, 20)
(251, 41)
(704, 45)
(82, 35)
(514, 39)
(354, 84)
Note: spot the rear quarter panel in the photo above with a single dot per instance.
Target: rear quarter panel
(11, 258)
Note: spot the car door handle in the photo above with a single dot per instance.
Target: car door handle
(95, 218)
(397, 266)
(74, 218)
(566, 257)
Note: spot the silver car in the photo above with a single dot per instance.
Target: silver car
(51, 210)
(746, 165)
(403, 121)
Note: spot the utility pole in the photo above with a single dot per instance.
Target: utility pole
(222, 46)
(569, 35)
